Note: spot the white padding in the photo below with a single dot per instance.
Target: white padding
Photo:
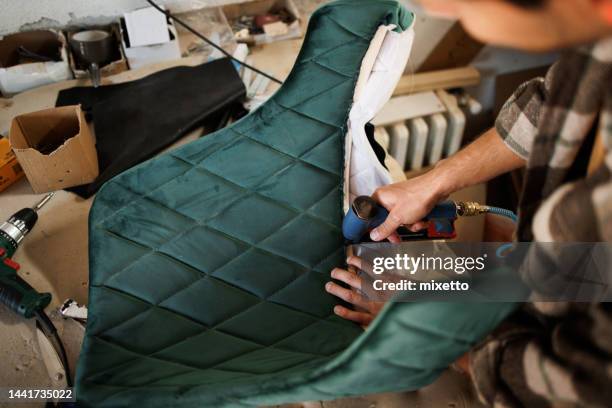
(374, 89)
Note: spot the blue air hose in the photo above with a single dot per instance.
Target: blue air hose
(470, 208)
(501, 251)
(467, 209)
(503, 212)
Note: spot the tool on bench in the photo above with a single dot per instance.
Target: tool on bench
(366, 214)
(15, 293)
(94, 48)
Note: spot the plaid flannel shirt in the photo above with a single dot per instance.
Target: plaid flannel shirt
(557, 354)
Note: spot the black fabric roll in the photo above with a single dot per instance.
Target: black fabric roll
(135, 120)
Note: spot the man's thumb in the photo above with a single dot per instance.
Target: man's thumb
(387, 228)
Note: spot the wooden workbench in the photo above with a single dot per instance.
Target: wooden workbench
(54, 256)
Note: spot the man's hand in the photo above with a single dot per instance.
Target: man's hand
(365, 310)
(408, 202)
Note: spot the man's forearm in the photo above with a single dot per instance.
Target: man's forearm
(408, 202)
(487, 157)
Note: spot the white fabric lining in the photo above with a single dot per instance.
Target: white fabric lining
(381, 69)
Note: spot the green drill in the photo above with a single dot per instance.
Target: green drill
(15, 293)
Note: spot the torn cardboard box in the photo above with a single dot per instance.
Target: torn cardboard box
(55, 148)
(30, 59)
(10, 170)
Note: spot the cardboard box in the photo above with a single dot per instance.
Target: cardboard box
(271, 32)
(10, 170)
(138, 57)
(55, 148)
(117, 65)
(19, 73)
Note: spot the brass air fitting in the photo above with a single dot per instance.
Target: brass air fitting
(470, 209)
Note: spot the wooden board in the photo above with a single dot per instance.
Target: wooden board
(444, 79)
(405, 107)
(456, 49)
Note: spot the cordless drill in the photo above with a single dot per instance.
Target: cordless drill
(15, 293)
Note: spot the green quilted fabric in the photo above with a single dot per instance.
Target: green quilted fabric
(207, 264)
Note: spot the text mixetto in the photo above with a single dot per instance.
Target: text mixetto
(409, 285)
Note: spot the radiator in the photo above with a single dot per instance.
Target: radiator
(423, 140)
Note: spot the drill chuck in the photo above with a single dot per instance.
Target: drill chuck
(13, 231)
(8, 238)
(16, 228)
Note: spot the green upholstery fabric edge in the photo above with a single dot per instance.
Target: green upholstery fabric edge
(391, 336)
(398, 16)
(345, 375)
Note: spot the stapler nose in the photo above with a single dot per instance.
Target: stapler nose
(364, 214)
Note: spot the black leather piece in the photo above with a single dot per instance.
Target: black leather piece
(378, 149)
(135, 120)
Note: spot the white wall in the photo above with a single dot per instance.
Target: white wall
(17, 15)
(428, 32)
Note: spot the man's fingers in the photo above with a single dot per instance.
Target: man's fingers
(361, 318)
(377, 194)
(347, 277)
(354, 261)
(387, 228)
(418, 226)
(394, 238)
(347, 295)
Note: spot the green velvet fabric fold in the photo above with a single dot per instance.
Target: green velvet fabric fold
(208, 263)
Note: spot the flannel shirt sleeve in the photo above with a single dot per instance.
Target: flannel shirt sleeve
(517, 122)
(529, 365)
(588, 199)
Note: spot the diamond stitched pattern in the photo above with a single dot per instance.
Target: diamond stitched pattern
(216, 250)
